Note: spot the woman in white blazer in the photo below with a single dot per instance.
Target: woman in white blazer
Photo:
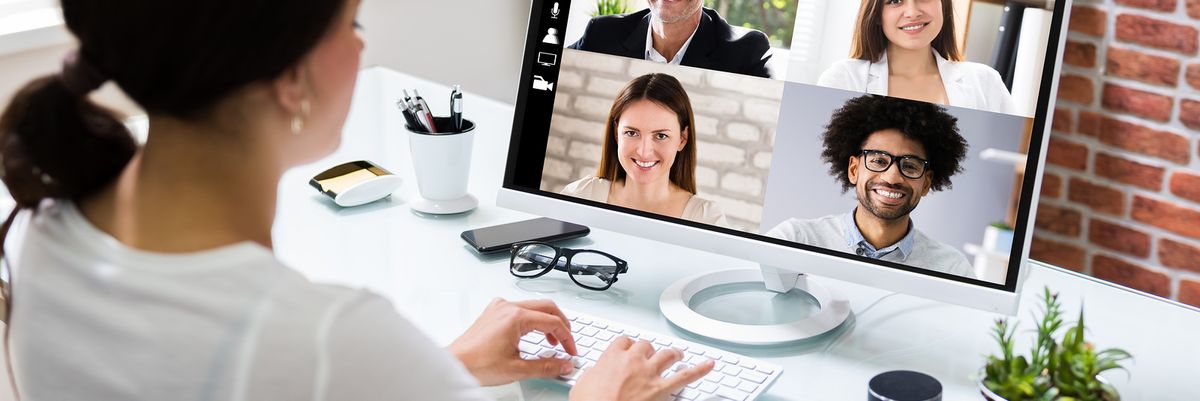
(907, 49)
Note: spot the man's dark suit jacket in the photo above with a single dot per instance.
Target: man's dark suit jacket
(715, 46)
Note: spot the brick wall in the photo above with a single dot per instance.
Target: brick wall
(735, 125)
(1121, 195)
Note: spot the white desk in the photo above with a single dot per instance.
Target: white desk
(434, 279)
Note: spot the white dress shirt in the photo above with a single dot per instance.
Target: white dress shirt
(970, 85)
(653, 55)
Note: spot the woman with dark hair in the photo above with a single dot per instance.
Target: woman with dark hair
(908, 49)
(649, 154)
(146, 273)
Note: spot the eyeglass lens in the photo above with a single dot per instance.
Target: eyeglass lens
(878, 161)
(591, 269)
(531, 260)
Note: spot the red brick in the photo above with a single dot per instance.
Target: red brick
(1189, 113)
(1186, 185)
(1157, 33)
(1142, 67)
(1160, 5)
(1136, 138)
(1056, 253)
(1166, 215)
(1051, 185)
(1119, 238)
(1067, 154)
(1087, 20)
(1179, 255)
(1098, 197)
(1137, 102)
(1089, 123)
(1129, 172)
(1189, 290)
(1193, 72)
(1193, 8)
(1131, 275)
(1078, 89)
(1058, 220)
(1062, 120)
(1080, 54)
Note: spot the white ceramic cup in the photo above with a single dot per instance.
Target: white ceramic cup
(442, 163)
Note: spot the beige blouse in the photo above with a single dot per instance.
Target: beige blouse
(697, 209)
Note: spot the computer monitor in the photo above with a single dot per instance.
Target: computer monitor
(803, 146)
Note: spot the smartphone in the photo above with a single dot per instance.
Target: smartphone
(501, 237)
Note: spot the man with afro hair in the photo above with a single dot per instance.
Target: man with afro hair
(892, 152)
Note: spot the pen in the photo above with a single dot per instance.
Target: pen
(408, 116)
(424, 112)
(456, 107)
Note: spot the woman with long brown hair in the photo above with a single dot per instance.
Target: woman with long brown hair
(649, 154)
(908, 49)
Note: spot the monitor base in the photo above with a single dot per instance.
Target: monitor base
(675, 304)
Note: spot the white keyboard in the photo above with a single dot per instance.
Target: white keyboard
(735, 377)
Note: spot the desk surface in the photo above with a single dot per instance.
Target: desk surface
(435, 280)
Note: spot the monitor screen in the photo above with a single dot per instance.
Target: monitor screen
(900, 134)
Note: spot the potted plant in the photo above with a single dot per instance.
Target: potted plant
(1067, 369)
(610, 7)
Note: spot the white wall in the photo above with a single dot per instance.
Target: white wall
(475, 43)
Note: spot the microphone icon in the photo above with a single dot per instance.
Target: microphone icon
(554, 10)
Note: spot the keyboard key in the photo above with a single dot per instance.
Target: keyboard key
(615, 329)
(575, 328)
(546, 353)
(707, 387)
(589, 331)
(730, 359)
(574, 375)
(689, 394)
(753, 376)
(605, 335)
(584, 320)
(599, 325)
(714, 376)
(747, 365)
(732, 370)
(732, 394)
(593, 355)
(585, 342)
(730, 381)
(663, 342)
(747, 387)
(528, 348)
(765, 370)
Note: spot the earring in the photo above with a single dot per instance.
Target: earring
(298, 119)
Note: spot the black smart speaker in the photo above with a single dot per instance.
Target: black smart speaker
(904, 385)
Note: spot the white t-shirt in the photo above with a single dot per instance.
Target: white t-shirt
(697, 209)
(96, 320)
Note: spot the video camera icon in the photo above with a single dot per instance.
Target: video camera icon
(541, 84)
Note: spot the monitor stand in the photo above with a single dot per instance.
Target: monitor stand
(675, 304)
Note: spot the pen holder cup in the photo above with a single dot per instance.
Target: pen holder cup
(442, 164)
